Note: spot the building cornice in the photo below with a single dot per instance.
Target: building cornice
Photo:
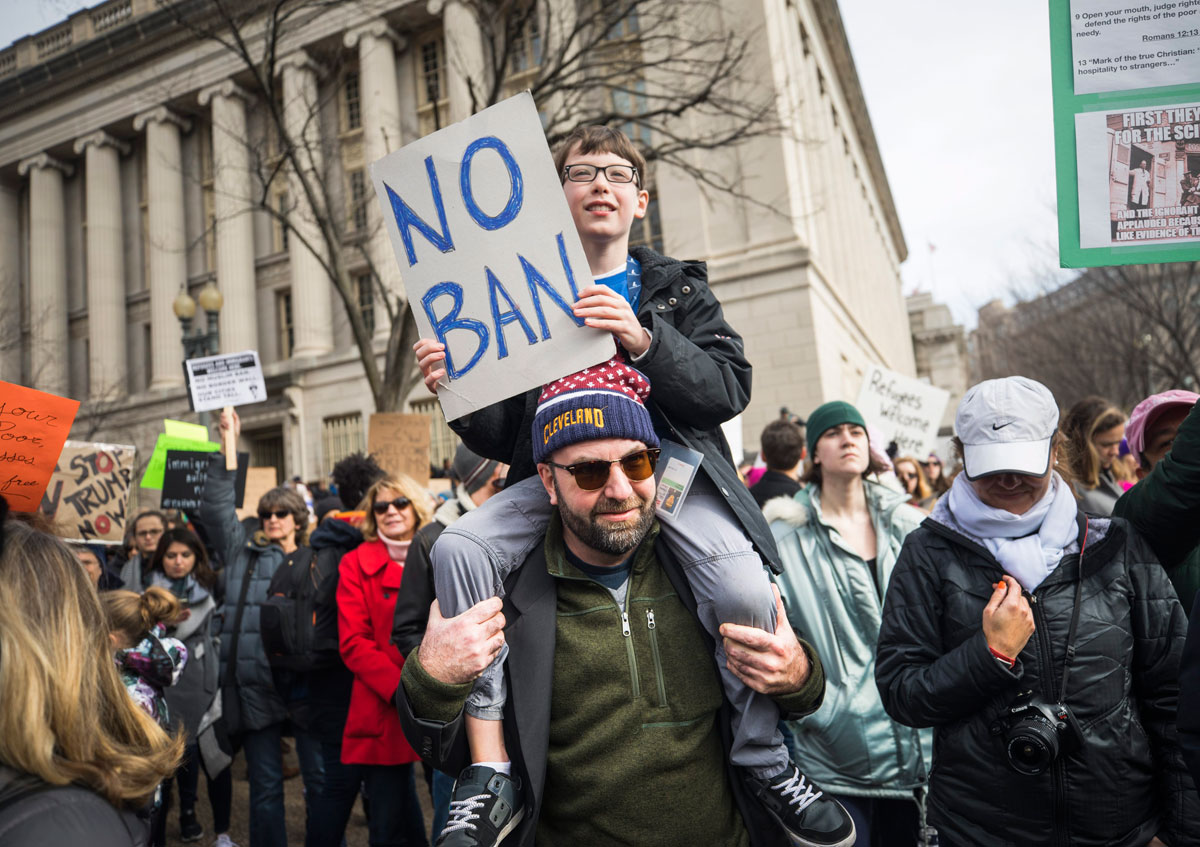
(377, 28)
(100, 138)
(226, 88)
(834, 31)
(42, 161)
(161, 115)
(301, 61)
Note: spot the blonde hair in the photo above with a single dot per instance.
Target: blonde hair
(924, 491)
(67, 717)
(406, 486)
(133, 615)
(1080, 425)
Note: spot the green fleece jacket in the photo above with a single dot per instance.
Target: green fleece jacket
(635, 752)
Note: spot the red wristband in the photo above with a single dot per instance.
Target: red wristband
(1010, 662)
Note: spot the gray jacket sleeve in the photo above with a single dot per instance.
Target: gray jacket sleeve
(217, 510)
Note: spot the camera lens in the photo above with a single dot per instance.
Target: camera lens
(1032, 746)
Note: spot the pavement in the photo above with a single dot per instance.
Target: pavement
(239, 830)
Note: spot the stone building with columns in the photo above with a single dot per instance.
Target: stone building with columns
(126, 177)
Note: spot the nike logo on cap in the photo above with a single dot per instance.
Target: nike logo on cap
(1000, 426)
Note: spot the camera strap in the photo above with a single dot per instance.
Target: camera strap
(1083, 534)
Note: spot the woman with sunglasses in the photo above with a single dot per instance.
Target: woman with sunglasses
(373, 745)
(258, 699)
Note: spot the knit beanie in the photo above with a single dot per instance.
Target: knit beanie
(471, 470)
(826, 417)
(603, 401)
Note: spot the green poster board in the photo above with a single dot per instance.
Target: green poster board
(1126, 84)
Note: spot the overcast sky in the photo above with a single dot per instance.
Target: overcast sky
(959, 95)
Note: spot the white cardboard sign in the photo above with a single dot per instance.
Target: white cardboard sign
(234, 379)
(489, 255)
(903, 409)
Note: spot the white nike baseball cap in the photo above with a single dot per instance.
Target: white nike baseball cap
(1006, 426)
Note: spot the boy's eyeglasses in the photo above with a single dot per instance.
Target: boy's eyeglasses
(616, 174)
(279, 514)
(592, 476)
(401, 503)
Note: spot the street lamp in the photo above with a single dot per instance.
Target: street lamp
(198, 344)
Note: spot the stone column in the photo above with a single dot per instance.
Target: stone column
(167, 240)
(107, 376)
(47, 273)
(380, 99)
(466, 73)
(10, 284)
(232, 205)
(311, 314)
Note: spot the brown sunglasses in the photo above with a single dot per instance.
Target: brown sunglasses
(591, 476)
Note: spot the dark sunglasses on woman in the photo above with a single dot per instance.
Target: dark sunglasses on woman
(400, 503)
(279, 514)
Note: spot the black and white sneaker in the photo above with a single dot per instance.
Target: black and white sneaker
(485, 807)
(811, 819)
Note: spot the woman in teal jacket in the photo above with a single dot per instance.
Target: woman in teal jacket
(839, 538)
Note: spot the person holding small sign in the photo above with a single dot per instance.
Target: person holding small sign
(666, 322)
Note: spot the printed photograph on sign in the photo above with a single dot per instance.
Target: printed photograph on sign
(489, 255)
(1139, 176)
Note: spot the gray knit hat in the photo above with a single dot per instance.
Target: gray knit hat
(470, 470)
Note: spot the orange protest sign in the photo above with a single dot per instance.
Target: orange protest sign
(33, 428)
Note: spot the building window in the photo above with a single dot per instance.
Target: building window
(281, 229)
(621, 25)
(287, 332)
(647, 232)
(631, 101)
(358, 200)
(442, 440)
(147, 357)
(527, 45)
(340, 436)
(352, 101)
(366, 300)
(431, 71)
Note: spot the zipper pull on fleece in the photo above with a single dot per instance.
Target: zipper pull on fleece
(625, 624)
(649, 619)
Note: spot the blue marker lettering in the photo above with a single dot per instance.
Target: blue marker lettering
(443, 326)
(502, 319)
(515, 188)
(566, 263)
(535, 281)
(406, 218)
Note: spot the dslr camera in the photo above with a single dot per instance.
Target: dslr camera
(1036, 732)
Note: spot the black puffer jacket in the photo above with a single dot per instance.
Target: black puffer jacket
(933, 668)
(699, 378)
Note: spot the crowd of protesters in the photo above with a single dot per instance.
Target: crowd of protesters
(990, 646)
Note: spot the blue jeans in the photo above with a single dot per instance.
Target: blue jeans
(443, 787)
(395, 819)
(264, 769)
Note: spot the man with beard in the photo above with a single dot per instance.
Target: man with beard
(616, 720)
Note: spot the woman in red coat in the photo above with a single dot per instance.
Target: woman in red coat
(368, 580)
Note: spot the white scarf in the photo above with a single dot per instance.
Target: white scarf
(1029, 546)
